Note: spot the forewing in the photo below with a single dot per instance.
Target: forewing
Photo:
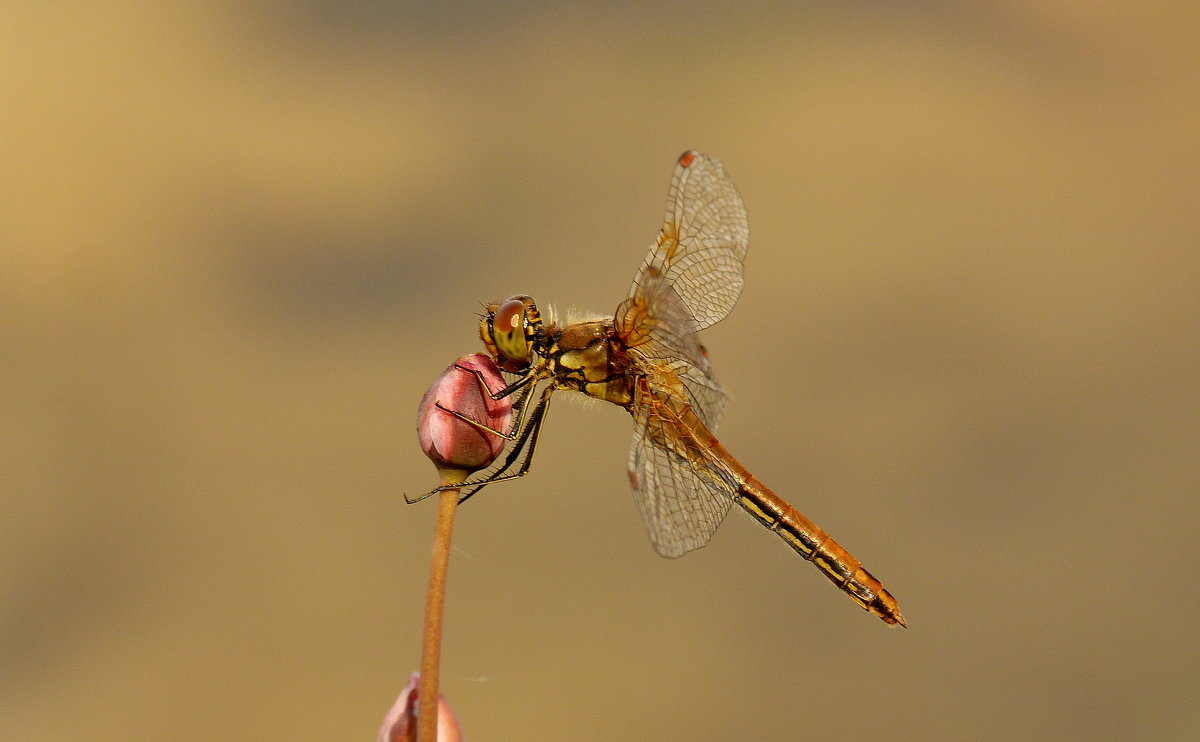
(660, 333)
(690, 279)
(702, 245)
(683, 495)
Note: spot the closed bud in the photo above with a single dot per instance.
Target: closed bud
(454, 445)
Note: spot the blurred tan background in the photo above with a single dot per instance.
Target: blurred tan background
(239, 240)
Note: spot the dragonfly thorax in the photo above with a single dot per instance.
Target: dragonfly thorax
(510, 331)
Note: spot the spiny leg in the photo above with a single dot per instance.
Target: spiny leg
(529, 432)
(531, 375)
(527, 443)
(529, 380)
(520, 406)
(511, 435)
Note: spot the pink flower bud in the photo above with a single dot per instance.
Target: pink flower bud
(455, 444)
(400, 724)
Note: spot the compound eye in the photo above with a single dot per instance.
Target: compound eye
(508, 330)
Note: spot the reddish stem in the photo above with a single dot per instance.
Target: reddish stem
(427, 695)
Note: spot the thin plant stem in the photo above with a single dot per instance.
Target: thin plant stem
(431, 651)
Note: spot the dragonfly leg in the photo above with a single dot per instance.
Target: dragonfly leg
(527, 443)
(527, 436)
(530, 376)
(511, 435)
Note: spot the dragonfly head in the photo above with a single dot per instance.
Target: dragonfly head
(510, 331)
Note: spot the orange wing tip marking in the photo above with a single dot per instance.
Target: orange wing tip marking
(687, 158)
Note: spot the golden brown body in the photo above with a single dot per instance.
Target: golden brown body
(693, 441)
(586, 357)
(590, 357)
(648, 359)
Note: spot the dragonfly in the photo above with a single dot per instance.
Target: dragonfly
(647, 358)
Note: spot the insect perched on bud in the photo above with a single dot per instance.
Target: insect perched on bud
(455, 446)
(646, 358)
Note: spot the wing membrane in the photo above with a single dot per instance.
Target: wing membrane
(702, 245)
(664, 337)
(682, 495)
(690, 280)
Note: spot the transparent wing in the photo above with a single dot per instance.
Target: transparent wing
(683, 494)
(690, 279)
(702, 245)
(661, 334)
